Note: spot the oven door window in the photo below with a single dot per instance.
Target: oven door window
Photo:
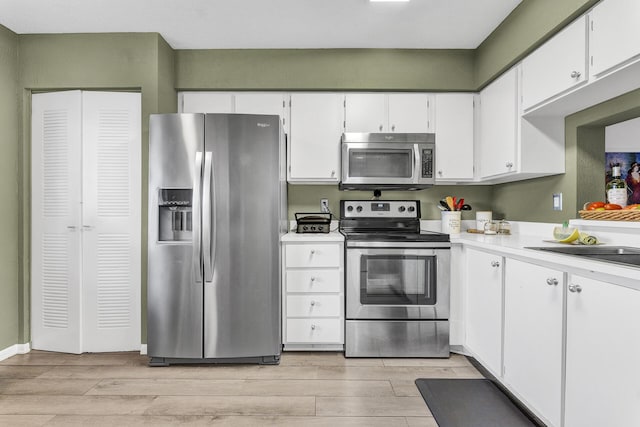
(397, 280)
(378, 163)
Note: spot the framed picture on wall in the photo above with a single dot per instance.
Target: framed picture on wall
(629, 171)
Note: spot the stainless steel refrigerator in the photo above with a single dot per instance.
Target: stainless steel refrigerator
(217, 209)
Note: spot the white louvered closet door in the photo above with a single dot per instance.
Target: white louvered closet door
(56, 259)
(100, 293)
(111, 221)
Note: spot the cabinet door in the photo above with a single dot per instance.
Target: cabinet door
(484, 308)
(409, 112)
(498, 126)
(263, 103)
(557, 66)
(366, 112)
(603, 349)
(317, 121)
(614, 34)
(206, 102)
(533, 336)
(454, 136)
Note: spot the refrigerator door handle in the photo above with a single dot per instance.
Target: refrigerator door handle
(197, 219)
(208, 207)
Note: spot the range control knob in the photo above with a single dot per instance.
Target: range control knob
(359, 208)
(402, 208)
(349, 208)
(412, 208)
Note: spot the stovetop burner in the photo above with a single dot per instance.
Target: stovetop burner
(387, 221)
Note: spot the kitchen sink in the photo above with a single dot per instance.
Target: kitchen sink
(618, 254)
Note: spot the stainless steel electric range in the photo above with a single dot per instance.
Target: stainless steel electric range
(397, 281)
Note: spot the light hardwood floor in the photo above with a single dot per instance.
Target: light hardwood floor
(306, 389)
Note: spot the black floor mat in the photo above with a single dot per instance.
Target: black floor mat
(470, 403)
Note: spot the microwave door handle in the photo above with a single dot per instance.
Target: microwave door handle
(208, 207)
(416, 163)
(197, 218)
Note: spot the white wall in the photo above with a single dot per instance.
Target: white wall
(623, 137)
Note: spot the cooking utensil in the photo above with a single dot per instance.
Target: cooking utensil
(450, 204)
(459, 204)
(442, 207)
(444, 204)
(465, 207)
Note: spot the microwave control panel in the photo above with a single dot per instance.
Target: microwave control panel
(427, 163)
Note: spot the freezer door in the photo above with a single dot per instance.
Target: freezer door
(241, 265)
(175, 285)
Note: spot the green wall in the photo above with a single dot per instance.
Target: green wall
(9, 120)
(145, 63)
(326, 69)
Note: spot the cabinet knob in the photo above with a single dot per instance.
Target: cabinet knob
(313, 303)
(393, 128)
(552, 281)
(575, 74)
(71, 227)
(380, 127)
(440, 173)
(575, 288)
(333, 174)
(509, 165)
(495, 263)
(313, 327)
(313, 279)
(312, 251)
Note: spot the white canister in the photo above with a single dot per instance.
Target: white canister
(451, 222)
(481, 218)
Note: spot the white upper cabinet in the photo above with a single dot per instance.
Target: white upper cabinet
(615, 35)
(557, 66)
(499, 126)
(379, 112)
(454, 128)
(411, 112)
(317, 121)
(274, 103)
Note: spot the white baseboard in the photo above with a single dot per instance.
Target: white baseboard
(14, 349)
(143, 349)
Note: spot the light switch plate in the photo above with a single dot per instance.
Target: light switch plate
(557, 201)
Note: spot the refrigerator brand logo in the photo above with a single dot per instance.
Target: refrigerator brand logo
(388, 137)
(263, 125)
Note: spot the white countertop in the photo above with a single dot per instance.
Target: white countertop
(515, 246)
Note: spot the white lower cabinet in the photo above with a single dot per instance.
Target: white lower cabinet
(313, 294)
(603, 350)
(533, 300)
(567, 346)
(484, 308)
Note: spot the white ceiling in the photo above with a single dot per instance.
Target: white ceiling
(260, 24)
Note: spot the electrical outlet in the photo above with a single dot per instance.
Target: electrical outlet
(557, 201)
(324, 205)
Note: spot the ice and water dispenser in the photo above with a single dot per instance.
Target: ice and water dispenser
(175, 210)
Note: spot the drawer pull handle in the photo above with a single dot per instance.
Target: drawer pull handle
(313, 279)
(552, 281)
(495, 264)
(313, 251)
(313, 327)
(313, 303)
(575, 74)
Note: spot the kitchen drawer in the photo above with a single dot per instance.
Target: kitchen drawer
(314, 305)
(314, 280)
(313, 255)
(315, 331)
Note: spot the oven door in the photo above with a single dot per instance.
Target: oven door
(397, 283)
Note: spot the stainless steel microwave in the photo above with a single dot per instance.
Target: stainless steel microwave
(379, 161)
